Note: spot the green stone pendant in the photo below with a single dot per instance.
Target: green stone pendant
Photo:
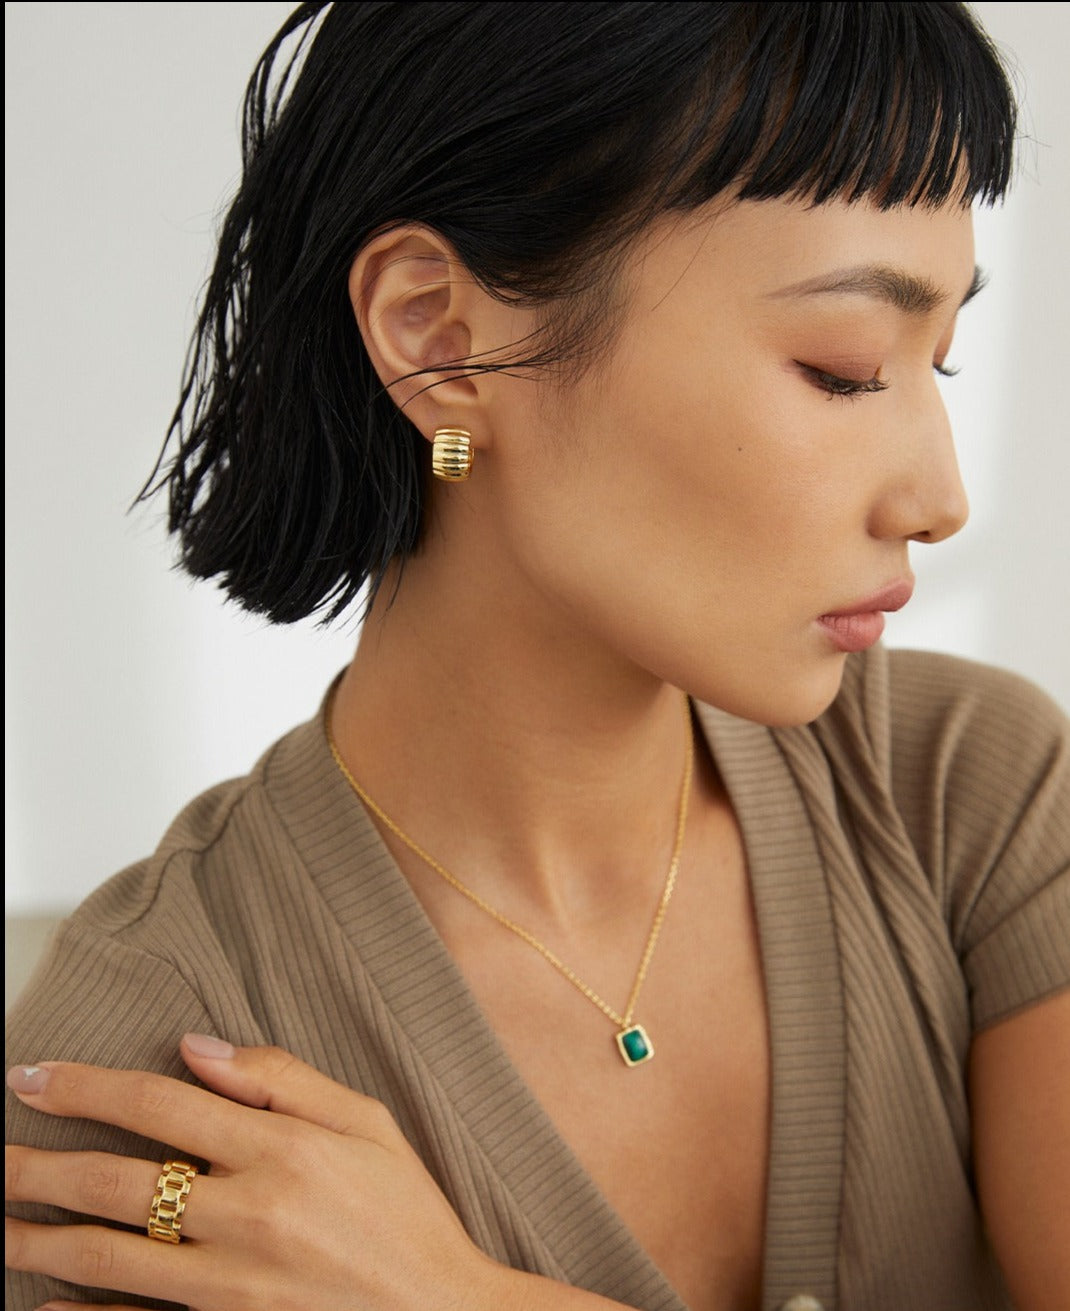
(635, 1046)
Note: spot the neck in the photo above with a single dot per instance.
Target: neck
(540, 771)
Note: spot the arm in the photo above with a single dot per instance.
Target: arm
(1020, 1094)
(321, 1203)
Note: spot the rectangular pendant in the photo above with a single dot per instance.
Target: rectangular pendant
(635, 1047)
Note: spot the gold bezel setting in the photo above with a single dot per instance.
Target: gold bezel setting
(634, 1045)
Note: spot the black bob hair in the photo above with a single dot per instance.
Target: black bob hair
(538, 138)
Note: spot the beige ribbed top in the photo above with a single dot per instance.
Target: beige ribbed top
(910, 860)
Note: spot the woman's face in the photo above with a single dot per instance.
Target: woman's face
(756, 452)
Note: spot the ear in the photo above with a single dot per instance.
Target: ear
(419, 311)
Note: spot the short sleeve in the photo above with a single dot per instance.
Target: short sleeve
(981, 775)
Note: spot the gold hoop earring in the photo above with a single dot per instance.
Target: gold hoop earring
(452, 454)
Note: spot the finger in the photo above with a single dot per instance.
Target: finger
(276, 1080)
(196, 1121)
(80, 1306)
(104, 1258)
(99, 1184)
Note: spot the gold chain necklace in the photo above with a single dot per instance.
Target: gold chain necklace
(633, 1042)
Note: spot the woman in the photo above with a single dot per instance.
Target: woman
(600, 994)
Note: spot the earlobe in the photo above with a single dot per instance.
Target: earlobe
(412, 300)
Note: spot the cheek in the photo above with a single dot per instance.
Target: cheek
(684, 528)
(751, 465)
(706, 472)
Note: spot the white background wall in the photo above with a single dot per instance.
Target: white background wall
(128, 689)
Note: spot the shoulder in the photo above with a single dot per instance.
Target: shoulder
(976, 756)
(970, 755)
(163, 942)
(941, 698)
(972, 766)
(219, 846)
(134, 965)
(943, 726)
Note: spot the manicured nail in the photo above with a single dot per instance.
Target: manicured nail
(28, 1078)
(203, 1044)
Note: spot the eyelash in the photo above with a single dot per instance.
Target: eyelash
(848, 388)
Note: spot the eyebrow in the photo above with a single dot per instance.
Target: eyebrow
(906, 291)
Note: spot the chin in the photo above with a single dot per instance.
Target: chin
(797, 697)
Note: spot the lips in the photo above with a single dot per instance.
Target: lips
(857, 627)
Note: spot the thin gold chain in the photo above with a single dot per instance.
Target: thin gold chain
(623, 1021)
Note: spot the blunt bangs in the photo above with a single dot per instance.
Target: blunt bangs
(902, 103)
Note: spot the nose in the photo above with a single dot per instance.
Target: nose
(924, 499)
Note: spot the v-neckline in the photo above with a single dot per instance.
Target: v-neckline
(418, 980)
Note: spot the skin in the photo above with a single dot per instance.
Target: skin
(680, 516)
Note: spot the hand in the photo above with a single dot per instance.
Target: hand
(321, 1204)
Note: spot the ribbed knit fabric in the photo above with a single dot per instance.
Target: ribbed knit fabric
(910, 860)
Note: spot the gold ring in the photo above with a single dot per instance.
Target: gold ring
(169, 1201)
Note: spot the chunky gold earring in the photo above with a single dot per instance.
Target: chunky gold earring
(452, 454)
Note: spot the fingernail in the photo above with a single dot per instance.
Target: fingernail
(203, 1044)
(28, 1078)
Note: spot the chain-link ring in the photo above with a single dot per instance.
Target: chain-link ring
(169, 1201)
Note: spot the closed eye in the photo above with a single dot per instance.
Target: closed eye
(835, 385)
